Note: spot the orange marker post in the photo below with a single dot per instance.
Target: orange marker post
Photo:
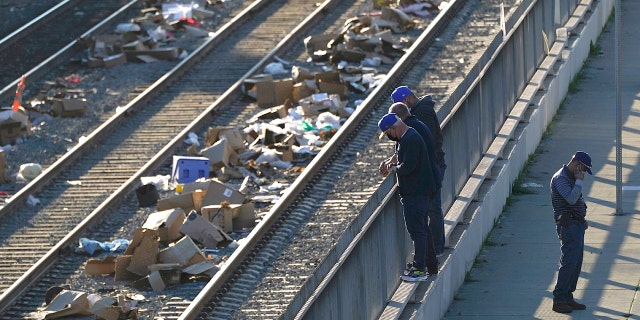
(18, 100)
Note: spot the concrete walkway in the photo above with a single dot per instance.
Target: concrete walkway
(514, 275)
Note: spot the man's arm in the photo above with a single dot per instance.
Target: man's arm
(564, 188)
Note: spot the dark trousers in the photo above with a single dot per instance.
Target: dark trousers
(571, 237)
(414, 209)
(436, 221)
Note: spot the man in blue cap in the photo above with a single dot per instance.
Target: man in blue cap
(423, 109)
(415, 183)
(569, 211)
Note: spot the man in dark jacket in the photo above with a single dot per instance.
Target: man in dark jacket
(415, 183)
(423, 109)
(569, 212)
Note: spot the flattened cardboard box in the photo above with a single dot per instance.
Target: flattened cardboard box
(167, 222)
(121, 273)
(144, 255)
(203, 231)
(97, 267)
(68, 303)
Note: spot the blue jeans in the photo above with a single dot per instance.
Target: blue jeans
(572, 246)
(436, 221)
(414, 209)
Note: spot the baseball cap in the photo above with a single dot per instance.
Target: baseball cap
(400, 93)
(584, 159)
(387, 121)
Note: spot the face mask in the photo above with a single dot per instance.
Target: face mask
(392, 138)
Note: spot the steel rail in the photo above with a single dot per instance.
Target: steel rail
(44, 264)
(318, 161)
(40, 20)
(67, 51)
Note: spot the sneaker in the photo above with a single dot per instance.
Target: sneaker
(415, 275)
(561, 307)
(575, 305)
(407, 270)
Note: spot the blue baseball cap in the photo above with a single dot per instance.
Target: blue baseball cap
(400, 93)
(584, 159)
(387, 121)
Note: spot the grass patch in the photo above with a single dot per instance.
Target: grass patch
(517, 188)
(574, 85)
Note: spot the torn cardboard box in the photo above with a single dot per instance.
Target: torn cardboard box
(231, 217)
(203, 231)
(68, 303)
(221, 154)
(98, 267)
(183, 252)
(166, 222)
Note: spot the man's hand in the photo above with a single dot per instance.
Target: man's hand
(387, 167)
(578, 173)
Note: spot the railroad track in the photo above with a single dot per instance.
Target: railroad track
(39, 37)
(109, 170)
(263, 286)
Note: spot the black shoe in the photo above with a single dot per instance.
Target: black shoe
(561, 307)
(433, 270)
(575, 305)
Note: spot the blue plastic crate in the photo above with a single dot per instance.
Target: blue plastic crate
(190, 169)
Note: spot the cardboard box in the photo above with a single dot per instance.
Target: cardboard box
(331, 87)
(276, 112)
(67, 303)
(329, 76)
(303, 89)
(171, 53)
(250, 87)
(3, 167)
(114, 60)
(69, 107)
(189, 169)
(233, 217)
(220, 154)
(9, 132)
(187, 201)
(220, 216)
(182, 252)
(167, 223)
(121, 272)
(274, 92)
(235, 137)
(218, 192)
(145, 253)
(203, 231)
(97, 267)
(318, 42)
(189, 187)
